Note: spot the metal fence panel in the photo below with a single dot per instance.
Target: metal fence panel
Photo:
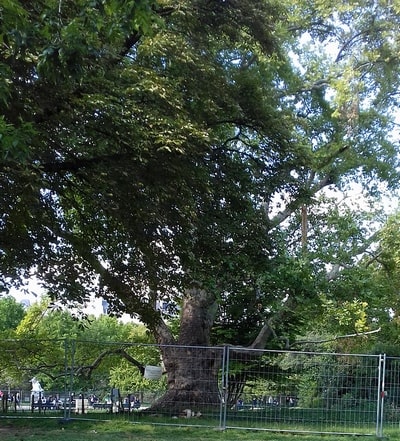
(107, 380)
(233, 387)
(391, 393)
(305, 392)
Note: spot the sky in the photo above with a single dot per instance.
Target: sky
(34, 292)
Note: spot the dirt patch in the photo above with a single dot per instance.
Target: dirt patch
(10, 429)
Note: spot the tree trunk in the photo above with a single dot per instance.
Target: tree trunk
(192, 367)
(192, 378)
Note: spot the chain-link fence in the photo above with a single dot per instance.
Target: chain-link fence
(223, 387)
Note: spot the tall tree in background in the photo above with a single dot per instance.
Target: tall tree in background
(159, 151)
(11, 313)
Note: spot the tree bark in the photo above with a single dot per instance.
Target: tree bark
(192, 378)
(191, 366)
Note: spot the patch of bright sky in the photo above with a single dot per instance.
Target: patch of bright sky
(33, 292)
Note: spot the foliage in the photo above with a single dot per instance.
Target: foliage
(11, 313)
(44, 320)
(49, 342)
(152, 149)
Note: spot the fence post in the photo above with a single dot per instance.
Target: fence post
(4, 402)
(224, 387)
(69, 376)
(65, 377)
(381, 396)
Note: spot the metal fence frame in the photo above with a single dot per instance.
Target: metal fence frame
(376, 370)
(355, 394)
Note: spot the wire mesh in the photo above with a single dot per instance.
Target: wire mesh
(391, 393)
(297, 391)
(223, 387)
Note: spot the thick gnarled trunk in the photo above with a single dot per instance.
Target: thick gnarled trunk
(192, 377)
(192, 367)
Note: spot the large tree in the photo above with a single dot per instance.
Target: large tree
(157, 151)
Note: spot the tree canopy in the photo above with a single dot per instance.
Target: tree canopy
(163, 150)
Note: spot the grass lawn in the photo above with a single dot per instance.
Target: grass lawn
(54, 429)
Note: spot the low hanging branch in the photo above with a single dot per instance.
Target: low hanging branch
(338, 337)
(90, 368)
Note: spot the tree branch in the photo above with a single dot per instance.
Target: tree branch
(133, 303)
(267, 331)
(337, 268)
(135, 36)
(326, 180)
(339, 337)
(103, 355)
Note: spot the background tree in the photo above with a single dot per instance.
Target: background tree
(49, 342)
(383, 268)
(11, 313)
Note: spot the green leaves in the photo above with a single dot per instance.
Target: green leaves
(15, 142)
(63, 41)
(11, 314)
(148, 144)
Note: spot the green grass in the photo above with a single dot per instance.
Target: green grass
(55, 429)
